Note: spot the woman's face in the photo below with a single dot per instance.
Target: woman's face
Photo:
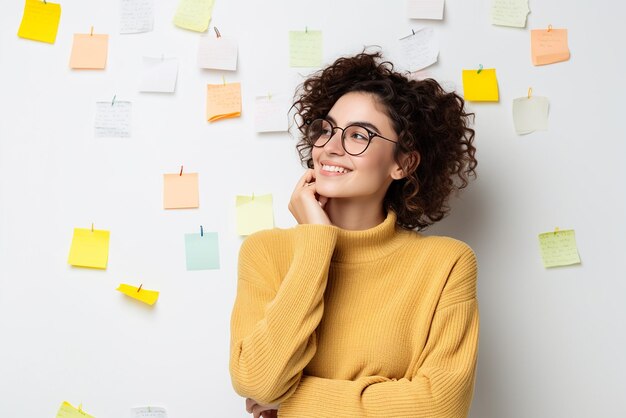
(366, 176)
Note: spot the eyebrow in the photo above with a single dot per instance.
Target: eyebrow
(362, 123)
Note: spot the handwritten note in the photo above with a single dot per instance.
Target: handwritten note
(202, 251)
(558, 248)
(40, 21)
(194, 14)
(271, 113)
(89, 248)
(159, 75)
(113, 119)
(548, 46)
(305, 48)
(136, 16)
(223, 101)
(480, 86)
(254, 213)
(420, 49)
(425, 9)
(509, 13)
(217, 53)
(530, 114)
(148, 412)
(89, 52)
(68, 411)
(180, 191)
(146, 296)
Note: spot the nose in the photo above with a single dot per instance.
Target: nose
(334, 145)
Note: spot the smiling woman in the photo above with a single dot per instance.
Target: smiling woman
(353, 313)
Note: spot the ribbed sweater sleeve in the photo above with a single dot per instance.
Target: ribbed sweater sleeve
(272, 327)
(442, 383)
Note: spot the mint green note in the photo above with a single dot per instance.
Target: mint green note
(305, 48)
(202, 251)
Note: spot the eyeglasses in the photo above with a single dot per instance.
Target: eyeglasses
(354, 138)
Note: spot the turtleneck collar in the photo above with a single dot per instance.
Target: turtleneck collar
(369, 244)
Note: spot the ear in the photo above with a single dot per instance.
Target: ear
(408, 164)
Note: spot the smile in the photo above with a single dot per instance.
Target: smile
(335, 169)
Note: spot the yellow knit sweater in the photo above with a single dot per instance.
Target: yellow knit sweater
(335, 323)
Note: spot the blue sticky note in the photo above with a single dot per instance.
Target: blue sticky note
(202, 251)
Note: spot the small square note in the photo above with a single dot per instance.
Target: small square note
(180, 191)
(89, 51)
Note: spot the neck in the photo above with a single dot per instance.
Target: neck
(354, 215)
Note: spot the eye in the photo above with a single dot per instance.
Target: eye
(358, 133)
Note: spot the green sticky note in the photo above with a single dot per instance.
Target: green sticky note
(90, 248)
(558, 248)
(305, 48)
(254, 213)
(202, 251)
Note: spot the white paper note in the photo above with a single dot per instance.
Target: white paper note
(148, 412)
(530, 114)
(420, 49)
(136, 16)
(217, 53)
(112, 120)
(271, 113)
(425, 9)
(159, 75)
(509, 13)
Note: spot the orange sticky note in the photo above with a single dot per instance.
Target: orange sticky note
(480, 85)
(90, 248)
(180, 191)
(40, 21)
(89, 51)
(223, 101)
(548, 46)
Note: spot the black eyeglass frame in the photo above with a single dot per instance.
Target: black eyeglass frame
(371, 135)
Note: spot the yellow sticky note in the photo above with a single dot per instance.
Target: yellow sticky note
(90, 248)
(548, 46)
(305, 48)
(223, 101)
(558, 248)
(180, 191)
(40, 21)
(89, 51)
(194, 14)
(68, 411)
(480, 85)
(254, 213)
(139, 293)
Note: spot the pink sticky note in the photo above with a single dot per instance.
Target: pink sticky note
(89, 51)
(180, 191)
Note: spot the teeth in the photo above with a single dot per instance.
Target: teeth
(335, 169)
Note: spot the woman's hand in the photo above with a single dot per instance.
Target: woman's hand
(305, 204)
(261, 411)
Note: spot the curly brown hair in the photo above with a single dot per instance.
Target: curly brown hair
(431, 124)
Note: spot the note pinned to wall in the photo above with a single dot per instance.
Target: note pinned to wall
(271, 113)
(90, 248)
(217, 53)
(511, 13)
(530, 114)
(425, 9)
(548, 46)
(159, 75)
(146, 296)
(136, 16)
(148, 412)
(223, 101)
(558, 248)
(194, 14)
(68, 411)
(420, 49)
(180, 191)
(113, 119)
(40, 21)
(202, 251)
(89, 51)
(305, 48)
(254, 213)
(480, 85)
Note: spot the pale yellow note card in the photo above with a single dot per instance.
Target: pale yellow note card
(180, 191)
(254, 213)
(194, 14)
(223, 101)
(90, 248)
(40, 21)
(480, 85)
(68, 411)
(530, 114)
(305, 48)
(144, 295)
(89, 51)
(509, 13)
(548, 46)
(558, 248)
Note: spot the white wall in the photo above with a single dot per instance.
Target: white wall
(552, 341)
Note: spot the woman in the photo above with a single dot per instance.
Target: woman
(352, 313)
